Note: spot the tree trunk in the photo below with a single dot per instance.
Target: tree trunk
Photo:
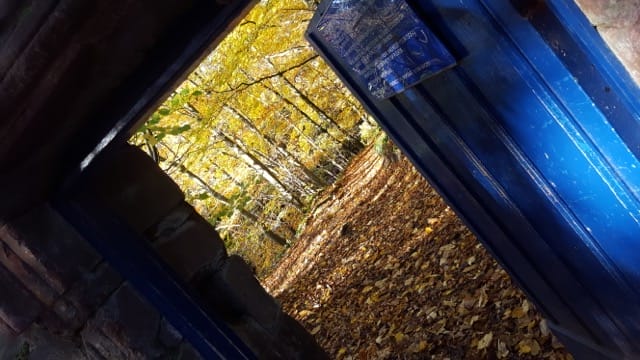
(321, 113)
(310, 175)
(223, 199)
(261, 168)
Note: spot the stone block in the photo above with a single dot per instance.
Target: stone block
(50, 246)
(294, 342)
(62, 318)
(6, 331)
(187, 352)
(9, 342)
(618, 21)
(168, 336)
(611, 13)
(285, 339)
(234, 290)
(92, 290)
(130, 184)
(27, 276)
(170, 223)
(192, 246)
(101, 346)
(130, 322)
(20, 309)
(47, 346)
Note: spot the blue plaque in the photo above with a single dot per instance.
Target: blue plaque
(384, 42)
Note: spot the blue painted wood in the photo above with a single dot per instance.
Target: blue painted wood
(533, 138)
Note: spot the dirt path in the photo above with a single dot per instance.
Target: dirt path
(384, 269)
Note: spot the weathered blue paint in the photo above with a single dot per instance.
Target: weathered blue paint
(534, 139)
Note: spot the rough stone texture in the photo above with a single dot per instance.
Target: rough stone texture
(50, 246)
(294, 340)
(45, 346)
(9, 342)
(129, 183)
(187, 352)
(233, 294)
(60, 318)
(168, 335)
(90, 292)
(27, 276)
(5, 331)
(193, 246)
(618, 21)
(130, 323)
(234, 290)
(99, 346)
(170, 223)
(20, 308)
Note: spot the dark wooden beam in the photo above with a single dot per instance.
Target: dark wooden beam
(72, 70)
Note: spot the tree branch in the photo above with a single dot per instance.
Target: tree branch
(245, 85)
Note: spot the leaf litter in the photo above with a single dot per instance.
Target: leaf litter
(384, 270)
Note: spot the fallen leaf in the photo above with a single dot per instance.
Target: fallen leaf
(523, 348)
(399, 337)
(419, 347)
(468, 302)
(529, 346)
(485, 341)
(517, 313)
(544, 328)
(502, 351)
(535, 348)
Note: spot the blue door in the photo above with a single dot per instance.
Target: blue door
(520, 116)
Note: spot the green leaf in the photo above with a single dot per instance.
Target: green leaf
(155, 118)
(202, 196)
(164, 111)
(177, 130)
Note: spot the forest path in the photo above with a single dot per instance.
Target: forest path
(384, 269)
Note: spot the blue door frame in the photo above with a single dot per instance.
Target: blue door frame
(534, 139)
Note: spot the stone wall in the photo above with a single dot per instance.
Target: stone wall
(67, 302)
(618, 21)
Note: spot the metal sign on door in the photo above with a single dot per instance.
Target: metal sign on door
(384, 42)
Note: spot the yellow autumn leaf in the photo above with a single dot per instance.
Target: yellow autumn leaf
(428, 230)
(524, 347)
(419, 347)
(316, 330)
(398, 336)
(517, 313)
(372, 299)
(485, 341)
(342, 351)
(535, 348)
